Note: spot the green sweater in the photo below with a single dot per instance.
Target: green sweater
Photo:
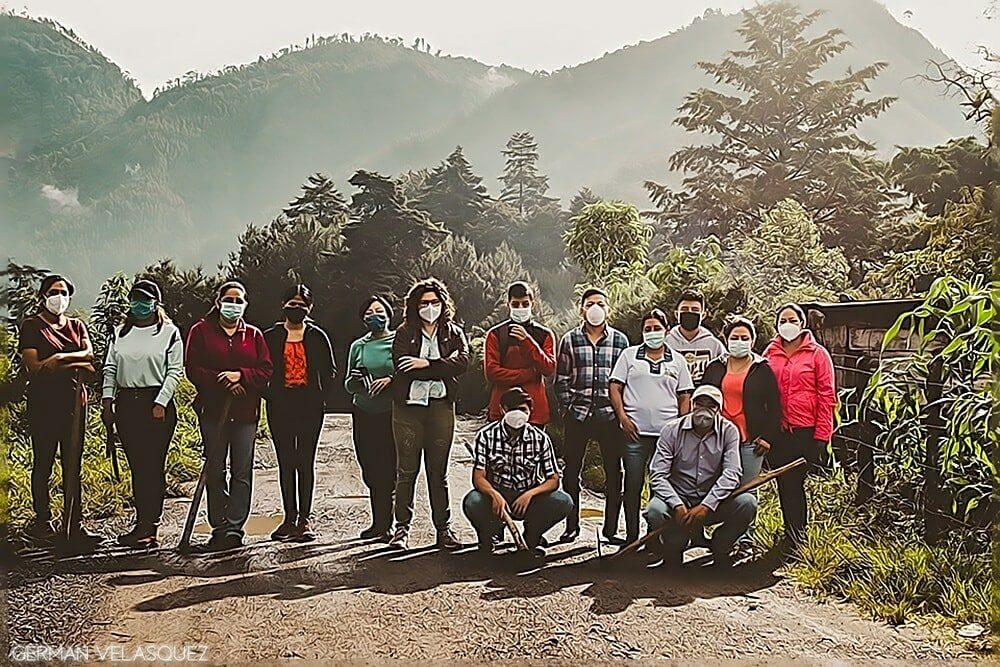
(375, 354)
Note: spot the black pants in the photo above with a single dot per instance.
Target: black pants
(50, 421)
(791, 485)
(145, 441)
(576, 436)
(376, 451)
(295, 420)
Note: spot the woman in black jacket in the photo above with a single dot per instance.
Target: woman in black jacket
(304, 373)
(750, 397)
(429, 353)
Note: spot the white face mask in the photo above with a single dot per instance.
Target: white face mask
(430, 313)
(57, 304)
(739, 348)
(595, 315)
(654, 339)
(515, 419)
(789, 331)
(520, 315)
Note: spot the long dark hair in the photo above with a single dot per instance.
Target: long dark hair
(411, 314)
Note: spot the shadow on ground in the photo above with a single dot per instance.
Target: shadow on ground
(297, 572)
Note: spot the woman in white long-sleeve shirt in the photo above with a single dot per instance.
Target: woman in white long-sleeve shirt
(144, 364)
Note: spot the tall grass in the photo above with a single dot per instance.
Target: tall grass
(102, 496)
(885, 569)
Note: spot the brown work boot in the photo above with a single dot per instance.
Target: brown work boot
(446, 540)
(304, 532)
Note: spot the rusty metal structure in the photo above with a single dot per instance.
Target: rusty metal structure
(853, 332)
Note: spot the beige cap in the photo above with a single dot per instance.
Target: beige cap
(709, 390)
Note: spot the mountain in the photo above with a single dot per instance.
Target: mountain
(607, 124)
(54, 87)
(105, 180)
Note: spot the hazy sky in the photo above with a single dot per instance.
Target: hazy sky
(157, 41)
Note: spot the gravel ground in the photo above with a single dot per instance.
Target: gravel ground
(341, 599)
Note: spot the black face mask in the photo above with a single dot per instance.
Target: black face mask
(294, 314)
(690, 321)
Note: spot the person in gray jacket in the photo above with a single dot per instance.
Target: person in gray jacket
(698, 345)
(696, 466)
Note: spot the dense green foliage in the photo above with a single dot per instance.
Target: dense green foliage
(182, 174)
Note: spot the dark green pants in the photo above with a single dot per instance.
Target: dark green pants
(423, 432)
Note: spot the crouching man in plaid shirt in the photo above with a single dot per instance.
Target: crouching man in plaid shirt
(515, 470)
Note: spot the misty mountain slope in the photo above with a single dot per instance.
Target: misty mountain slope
(131, 180)
(607, 123)
(209, 156)
(53, 87)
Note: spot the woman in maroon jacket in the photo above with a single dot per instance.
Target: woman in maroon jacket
(227, 360)
(57, 353)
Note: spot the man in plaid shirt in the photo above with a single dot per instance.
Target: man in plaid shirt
(515, 471)
(586, 356)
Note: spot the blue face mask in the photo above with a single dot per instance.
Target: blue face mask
(376, 322)
(232, 312)
(142, 309)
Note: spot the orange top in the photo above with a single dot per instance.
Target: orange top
(295, 364)
(732, 402)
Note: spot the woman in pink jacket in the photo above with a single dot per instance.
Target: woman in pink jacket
(804, 372)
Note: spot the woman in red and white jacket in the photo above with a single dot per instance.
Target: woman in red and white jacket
(808, 393)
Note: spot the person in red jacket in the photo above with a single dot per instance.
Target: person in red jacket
(520, 352)
(228, 362)
(804, 371)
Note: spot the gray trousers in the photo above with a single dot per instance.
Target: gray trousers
(735, 516)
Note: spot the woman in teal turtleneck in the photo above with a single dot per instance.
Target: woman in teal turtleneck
(369, 374)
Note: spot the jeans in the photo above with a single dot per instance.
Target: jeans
(295, 422)
(544, 511)
(145, 441)
(751, 463)
(423, 432)
(376, 450)
(735, 516)
(791, 485)
(50, 423)
(636, 459)
(228, 500)
(576, 436)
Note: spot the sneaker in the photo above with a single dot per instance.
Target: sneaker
(446, 540)
(222, 542)
(40, 530)
(699, 539)
(304, 532)
(284, 532)
(570, 535)
(400, 538)
(147, 542)
(372, 532)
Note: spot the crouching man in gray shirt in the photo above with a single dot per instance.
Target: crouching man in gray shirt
(695, 467)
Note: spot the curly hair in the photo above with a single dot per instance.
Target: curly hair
(411, 314)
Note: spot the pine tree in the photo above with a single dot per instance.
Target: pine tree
(454, 195)
(385, 236)
(781, 132)
(581, 200)
(524, 188)
(321, 201)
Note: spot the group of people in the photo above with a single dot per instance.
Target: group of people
(696, 415)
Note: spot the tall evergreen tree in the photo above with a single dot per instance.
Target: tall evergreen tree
(453, 194)
(782, 132)
(582, 199)
(319, 200)
(524, 188)
(385, 235)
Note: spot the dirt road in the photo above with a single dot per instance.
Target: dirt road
(339, 598)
